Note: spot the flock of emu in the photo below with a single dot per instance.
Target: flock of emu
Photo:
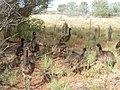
(27, 52)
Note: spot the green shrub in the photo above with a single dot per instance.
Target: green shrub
(24, 29)
(77, 31)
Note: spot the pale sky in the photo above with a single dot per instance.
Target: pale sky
(55, 3)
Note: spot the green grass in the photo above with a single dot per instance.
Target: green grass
(96, 85)
(62, 71)
(47, 62)
(9, 77)
(58, 85)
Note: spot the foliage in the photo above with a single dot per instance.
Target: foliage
(14, 12)
(47, 62)
(9, 77)
(68, 8)
(115, 8)
(83, 8)
(61, 8)
(24, 29)
(101, 8)
(72, 7)
(58, 85)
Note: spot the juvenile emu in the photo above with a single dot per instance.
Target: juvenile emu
(34, 45)
(107, 56)
(59, 49)
(19, 51)
(66, 38)
(75, 59)
(118, 47)
(27, 66)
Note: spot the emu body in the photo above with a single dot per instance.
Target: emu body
(19, 51)
(107, 56)
(75, 59)
(66, 38)
(118, 47)
(34, 45)
(27, 66)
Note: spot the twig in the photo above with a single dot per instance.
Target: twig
(8, 46)
(8, 38)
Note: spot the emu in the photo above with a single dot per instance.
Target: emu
(107, 56)
(59, 49)
(66, 38)
(75, 59)
(19, 51)
(27, 66)
(34, 45)
(118, 47)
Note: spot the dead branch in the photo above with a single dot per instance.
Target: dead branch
(8, 39)
(7, 47)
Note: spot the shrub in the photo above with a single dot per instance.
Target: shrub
(24, 29)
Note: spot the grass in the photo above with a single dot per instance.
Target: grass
(9, 77)
(47, 62)
(61, 71)
(96, 85)
(58, 85)
(82, 36)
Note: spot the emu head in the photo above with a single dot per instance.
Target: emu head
(22, 39)
(70, 29)
(34, 33)
(84, 49)
(98, 45)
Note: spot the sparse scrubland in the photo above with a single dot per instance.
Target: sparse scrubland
(55, 74)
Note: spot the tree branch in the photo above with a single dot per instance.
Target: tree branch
(8, 39)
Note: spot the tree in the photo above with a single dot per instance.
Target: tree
(14, 12)
(83, 8)
(101, 8)
(115, 8)
(72, 8)
(61, 8)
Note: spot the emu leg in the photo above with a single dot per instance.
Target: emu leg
(24, 81)
(29, 82)
(25, 84)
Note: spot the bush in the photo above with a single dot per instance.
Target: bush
(24, 29)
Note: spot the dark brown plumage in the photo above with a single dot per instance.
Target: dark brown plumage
(118, 45)
(107, 56)
(59, 49)
(34, 45)
(27, 65)
(75, 59)
(118, 48)
(19, 51)
(66, 38)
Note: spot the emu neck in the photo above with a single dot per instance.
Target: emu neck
(100, 49)
(83, 53)
(69, 33)
(34, 37)
(26, 57)
(22, 43)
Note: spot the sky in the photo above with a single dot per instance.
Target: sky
(55, 3)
